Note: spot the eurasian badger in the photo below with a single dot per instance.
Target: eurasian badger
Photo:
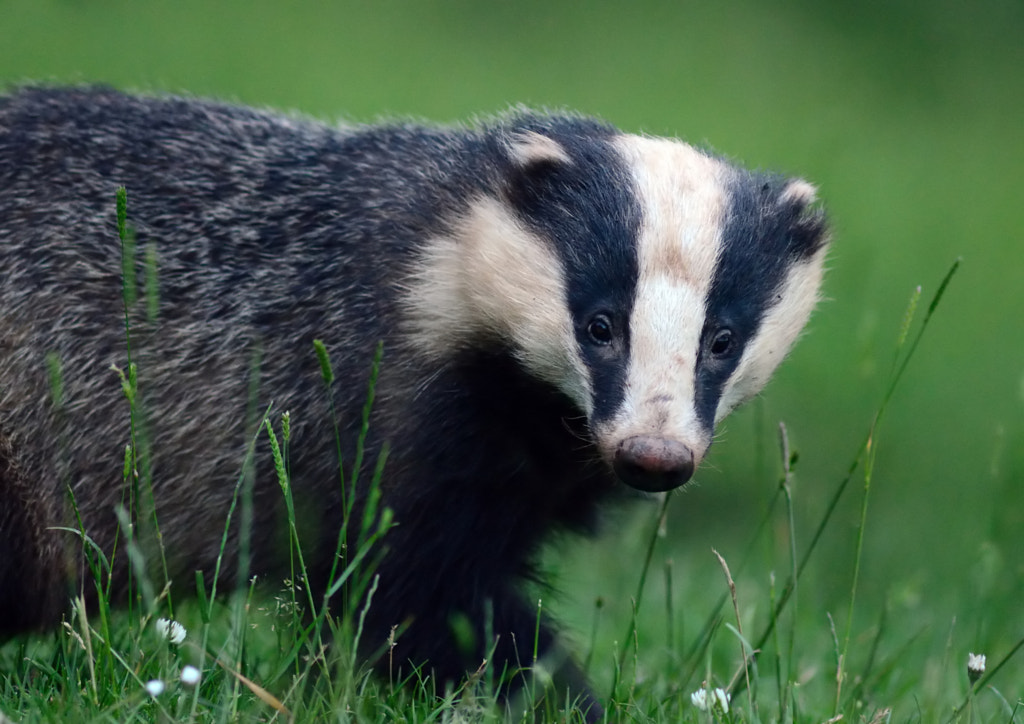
(563, 308)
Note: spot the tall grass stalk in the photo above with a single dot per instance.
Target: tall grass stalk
(745, 653)
(830, 509)
(652, 540)
(788, 460)
(870, 452)
(140, 512)
(783, 492)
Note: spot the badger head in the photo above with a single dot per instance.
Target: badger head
(656, 286)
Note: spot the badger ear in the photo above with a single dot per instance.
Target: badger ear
(531, 151)
(808, 227)
(534, 161)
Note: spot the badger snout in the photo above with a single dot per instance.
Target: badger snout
(653, 464)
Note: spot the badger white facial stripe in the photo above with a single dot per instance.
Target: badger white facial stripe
(682, 201)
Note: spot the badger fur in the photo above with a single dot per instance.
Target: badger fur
(563, 309)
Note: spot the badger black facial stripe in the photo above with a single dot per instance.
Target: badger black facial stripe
(779, 327)
(584, 204)
(769, 260)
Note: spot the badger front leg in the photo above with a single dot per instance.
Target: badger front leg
(535, 670)
(461, 631)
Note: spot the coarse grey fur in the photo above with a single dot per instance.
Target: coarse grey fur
(270, 232)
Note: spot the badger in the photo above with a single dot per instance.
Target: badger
(565, 311)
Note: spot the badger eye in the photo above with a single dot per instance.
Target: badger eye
(721, 343)
(600, 329)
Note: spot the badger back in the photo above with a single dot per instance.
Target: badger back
(655, 285)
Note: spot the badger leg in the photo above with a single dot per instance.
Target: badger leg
(536, 672)
(562, 681)
(33, 566)
(497, 634)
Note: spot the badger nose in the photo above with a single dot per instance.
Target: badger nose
(653, 464)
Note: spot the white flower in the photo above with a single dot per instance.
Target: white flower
(720, 698)
(711, 700)
(699, 699)
(190, 675)
(155, 687)
(975, 666)
(170, 630)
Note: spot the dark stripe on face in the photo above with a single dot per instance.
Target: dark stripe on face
(588, 211)
(766, 231)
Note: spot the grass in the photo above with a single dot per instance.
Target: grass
(275, 653)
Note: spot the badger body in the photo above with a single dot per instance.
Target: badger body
(563, 309)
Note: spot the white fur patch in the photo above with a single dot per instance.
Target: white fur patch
(493, 280)
(684, 200)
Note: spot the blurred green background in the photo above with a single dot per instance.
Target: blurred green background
(909, 116)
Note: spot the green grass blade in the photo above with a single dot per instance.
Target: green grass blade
(819, 531)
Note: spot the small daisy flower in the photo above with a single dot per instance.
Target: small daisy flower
(170, 630)
(155, 687)
(190, 675)
(715, 700)
(975, 666)
(720, 700)
(699, 699)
